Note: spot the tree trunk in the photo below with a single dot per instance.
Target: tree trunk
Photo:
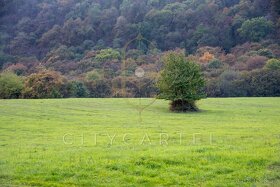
(183, 106)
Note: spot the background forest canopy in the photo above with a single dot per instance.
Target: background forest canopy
(73, 48)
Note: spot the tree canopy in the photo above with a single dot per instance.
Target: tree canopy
(181, 82)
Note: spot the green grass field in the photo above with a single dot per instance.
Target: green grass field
(100, 142)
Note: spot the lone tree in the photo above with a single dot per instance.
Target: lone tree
(181, 82)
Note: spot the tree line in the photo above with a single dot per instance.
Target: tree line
(45, 83)
(80, 43)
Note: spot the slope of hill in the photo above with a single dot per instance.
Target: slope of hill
(229, 38)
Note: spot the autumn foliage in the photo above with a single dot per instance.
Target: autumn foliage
(45, 84)
(207, 57)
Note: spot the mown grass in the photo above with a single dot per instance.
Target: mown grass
(67, 142)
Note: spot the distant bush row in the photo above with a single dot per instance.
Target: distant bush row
(51, 84)
(257, 83)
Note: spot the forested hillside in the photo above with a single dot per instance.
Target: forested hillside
(78, 44)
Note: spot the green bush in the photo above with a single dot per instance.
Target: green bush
(11, 86)
(265, 52)
(93, 75)
(181, 82)
(273, 64)
(77, 89)
(107, 54)
(215, 64)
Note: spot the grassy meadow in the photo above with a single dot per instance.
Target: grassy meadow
(101, 142)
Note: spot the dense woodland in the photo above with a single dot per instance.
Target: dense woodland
(74, 48)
